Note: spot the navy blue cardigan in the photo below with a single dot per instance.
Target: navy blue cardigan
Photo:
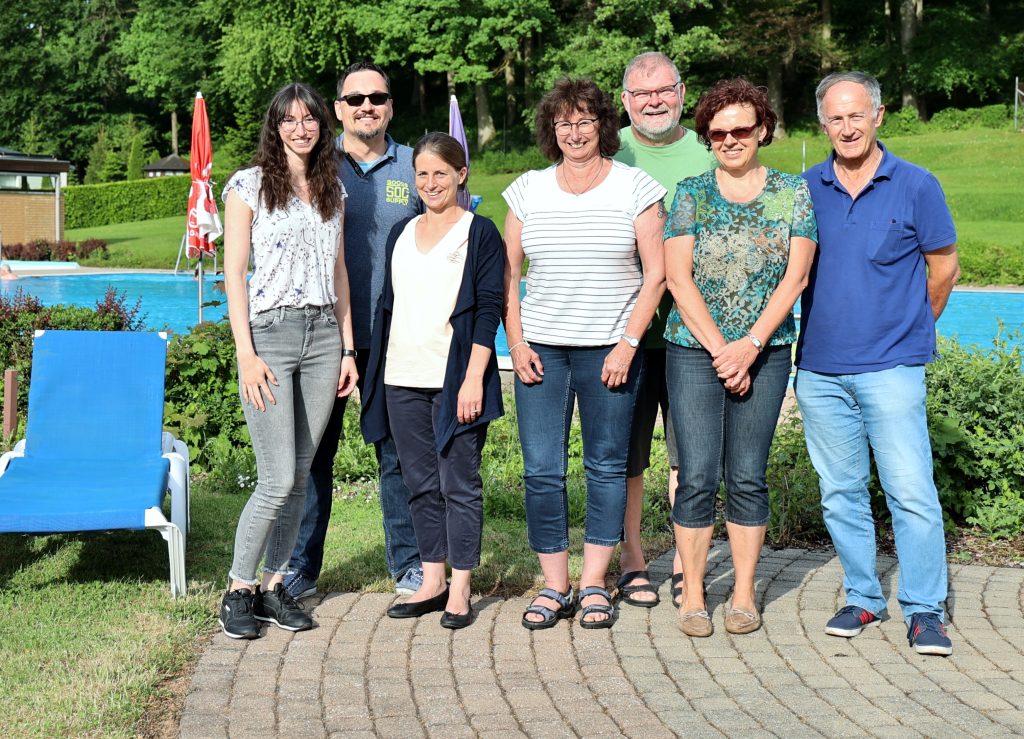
(474, 321)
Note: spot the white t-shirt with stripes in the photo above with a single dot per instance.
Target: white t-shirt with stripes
(584, 274)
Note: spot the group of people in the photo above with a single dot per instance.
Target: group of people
(664, 264)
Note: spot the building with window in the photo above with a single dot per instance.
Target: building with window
(31, 206)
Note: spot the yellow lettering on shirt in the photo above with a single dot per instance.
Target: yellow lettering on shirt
(396, 191)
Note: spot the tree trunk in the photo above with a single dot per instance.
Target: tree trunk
(485, 132)
(174, 132)
(775, 95)
(419, 94)
(910, 17)
(510, 89)
(825, 65)
(528, 70)
(450, 76)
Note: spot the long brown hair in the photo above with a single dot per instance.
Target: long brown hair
(322, 170)
(582, 96)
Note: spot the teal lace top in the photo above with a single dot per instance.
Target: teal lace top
(740, 250)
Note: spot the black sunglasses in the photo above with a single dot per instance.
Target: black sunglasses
(356, 99)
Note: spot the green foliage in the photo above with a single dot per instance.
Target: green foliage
(201, 391)
(136, 157)
(515, 162)
(98, 155)
(901, 123)
(56, 251)
(976, 420)
(229, 468)
(794, 498)
(116, 202)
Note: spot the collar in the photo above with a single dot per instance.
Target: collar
(885, 169)
(390, 153)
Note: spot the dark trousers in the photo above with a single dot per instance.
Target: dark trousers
(445, 490)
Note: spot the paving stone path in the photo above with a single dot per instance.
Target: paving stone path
(362, 674)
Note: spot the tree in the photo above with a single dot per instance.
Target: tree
(136, 157)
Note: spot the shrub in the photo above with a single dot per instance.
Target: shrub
(904, 121)
(42, 250)
(515, 161)
(87, 247)
(794, 499)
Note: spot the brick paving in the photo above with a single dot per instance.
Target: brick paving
(360, 674)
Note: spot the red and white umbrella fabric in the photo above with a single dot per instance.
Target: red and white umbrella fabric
(458, 132)
(203, 220)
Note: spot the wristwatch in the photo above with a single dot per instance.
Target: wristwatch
(349, 353)
(631, 340)
(756, 342)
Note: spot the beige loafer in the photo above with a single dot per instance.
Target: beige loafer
(740, 620)
(695, 623)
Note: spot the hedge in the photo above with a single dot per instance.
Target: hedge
(86, 206)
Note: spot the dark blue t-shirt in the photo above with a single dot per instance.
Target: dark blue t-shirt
(377, 200)
(866, 306)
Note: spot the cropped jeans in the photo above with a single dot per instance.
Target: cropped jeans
(845, 416)
(302, 347)
(544, 413)
(727, 435)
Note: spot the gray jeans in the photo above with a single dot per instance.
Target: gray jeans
(302, 347)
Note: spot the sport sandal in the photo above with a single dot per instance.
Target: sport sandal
(605, 623)
(566, 608)
(677, 590)
(627, 590)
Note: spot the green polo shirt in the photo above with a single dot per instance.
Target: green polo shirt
(668, 164)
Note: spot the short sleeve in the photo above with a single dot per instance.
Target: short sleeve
(804, 222)
(245, 182)
(932, 220)
(646, 192)
(682, 216)
(515, 196)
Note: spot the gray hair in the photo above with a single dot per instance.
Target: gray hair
(649, 61)
(864, 79)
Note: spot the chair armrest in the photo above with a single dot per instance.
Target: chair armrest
(6, 457)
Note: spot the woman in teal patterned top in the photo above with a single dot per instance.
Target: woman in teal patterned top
(739, 244)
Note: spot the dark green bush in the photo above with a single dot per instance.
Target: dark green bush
(902, 122)
(133, 200)
(515, 161)
(794, 499)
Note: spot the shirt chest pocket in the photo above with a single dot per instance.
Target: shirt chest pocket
(887, 241)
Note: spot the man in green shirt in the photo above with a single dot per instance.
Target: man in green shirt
(652, 94)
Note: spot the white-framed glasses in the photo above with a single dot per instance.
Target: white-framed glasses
(665, 93)
(584, 125)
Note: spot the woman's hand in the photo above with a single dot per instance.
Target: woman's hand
(256, 378)
(738, 385)
(471, 399)
(347, 377)
(527, 365)
(734, 359)
(615, 371)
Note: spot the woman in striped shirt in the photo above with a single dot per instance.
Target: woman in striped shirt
(591, 228)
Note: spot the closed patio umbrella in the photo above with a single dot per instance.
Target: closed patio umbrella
(458, 132)
(203, 220)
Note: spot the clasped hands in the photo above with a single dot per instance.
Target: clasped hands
(732, 363)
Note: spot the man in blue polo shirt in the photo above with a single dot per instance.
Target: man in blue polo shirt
(381, 185)
(885, 266)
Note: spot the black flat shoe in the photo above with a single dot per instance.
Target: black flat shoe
(419, 608)
(457, 620)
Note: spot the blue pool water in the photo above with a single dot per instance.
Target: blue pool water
(170, 302)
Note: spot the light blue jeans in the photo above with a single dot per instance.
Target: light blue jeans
(302, 347)
(843, 416)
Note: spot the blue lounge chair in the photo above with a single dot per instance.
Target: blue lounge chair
(94, 456)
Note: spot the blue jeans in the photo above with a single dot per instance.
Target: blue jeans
(544, 413)
(302, 347)
(843, 416)
(400, 550)
(727, 435)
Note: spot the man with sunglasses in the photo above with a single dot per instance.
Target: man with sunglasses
(885, 266)
(652, 94)
(379, 179)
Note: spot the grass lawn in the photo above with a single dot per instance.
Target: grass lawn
(982, 172)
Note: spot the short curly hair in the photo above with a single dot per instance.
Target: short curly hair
(734, 92)
(582, 96)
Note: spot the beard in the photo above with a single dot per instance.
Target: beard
(656, 131)
(371, 134)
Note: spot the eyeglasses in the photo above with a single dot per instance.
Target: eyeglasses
(666, 93)
(289, 124)
(584, 125)
(743, 132)
(356, 98)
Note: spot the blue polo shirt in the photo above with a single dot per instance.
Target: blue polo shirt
(866, 306)
(377, 199)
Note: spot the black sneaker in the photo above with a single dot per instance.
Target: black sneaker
(278, 607)
(850, 621)
(236, 615)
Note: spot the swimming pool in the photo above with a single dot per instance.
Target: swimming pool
(170, 302)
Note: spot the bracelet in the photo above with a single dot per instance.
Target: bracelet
(524, 342)
(349, 353)
(756, 342)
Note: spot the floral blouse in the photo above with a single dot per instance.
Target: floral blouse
(740, 251)
(293, 249)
